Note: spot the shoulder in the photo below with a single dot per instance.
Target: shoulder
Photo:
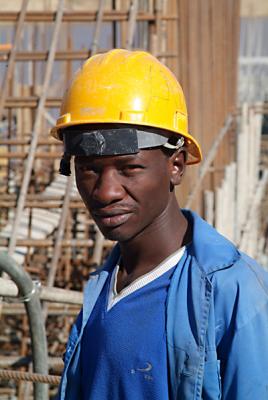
(239, 284)
(245, 276)
(209, 250)
(240, 291)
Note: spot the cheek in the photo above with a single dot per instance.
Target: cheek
(156, 196)
(84, 187)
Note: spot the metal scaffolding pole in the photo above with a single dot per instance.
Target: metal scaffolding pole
(31, 299)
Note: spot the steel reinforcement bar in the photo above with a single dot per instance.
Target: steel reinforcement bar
(34, 310)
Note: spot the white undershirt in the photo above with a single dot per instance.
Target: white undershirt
(164, 266)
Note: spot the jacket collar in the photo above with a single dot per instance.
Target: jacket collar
(211, 250)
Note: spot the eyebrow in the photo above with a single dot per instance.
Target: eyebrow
(123, 157)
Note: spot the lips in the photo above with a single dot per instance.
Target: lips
(111, 219)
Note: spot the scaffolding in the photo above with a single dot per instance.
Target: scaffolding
(43, 222)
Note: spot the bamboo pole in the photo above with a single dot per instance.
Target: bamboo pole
(59, 237)
(12, 56)
(36, 129)
(50, 294)
(133, 10)
(81, 16)
(242, 165)
(250, 235)
(99, 18)
(208, 160)
(98, 248)
(23, 155)
(225, 205)
(251, 217)
(232, 199)
(28, 242)
(46, 205)
(219, 223)
(57, 309)
(8, 361)
(209, 206)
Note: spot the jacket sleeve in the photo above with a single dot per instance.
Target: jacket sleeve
(241, 306)
(66, 357)
(245, 369)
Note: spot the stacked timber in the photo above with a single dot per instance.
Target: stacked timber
(234, 207)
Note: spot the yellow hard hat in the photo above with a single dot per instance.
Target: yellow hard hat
(127, 87)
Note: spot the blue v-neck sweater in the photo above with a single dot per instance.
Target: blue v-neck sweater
(124, 349)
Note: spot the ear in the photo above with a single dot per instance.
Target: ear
(177, 166)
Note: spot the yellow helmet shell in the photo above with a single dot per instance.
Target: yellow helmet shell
(127, 87)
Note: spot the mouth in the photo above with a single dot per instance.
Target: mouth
(112, 219)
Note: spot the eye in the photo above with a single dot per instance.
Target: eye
(86, 168)
(131, 169)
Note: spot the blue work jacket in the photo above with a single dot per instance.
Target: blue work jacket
(217, 322)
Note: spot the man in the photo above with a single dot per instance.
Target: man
(176, 312)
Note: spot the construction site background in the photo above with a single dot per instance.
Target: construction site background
(218, 51)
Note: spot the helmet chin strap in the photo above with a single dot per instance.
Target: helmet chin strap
(176, 146)
(65, 165)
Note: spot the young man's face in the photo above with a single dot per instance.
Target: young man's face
(127, 194)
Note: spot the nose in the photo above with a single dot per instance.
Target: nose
(108, 188)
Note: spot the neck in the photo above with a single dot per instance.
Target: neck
(155, 243)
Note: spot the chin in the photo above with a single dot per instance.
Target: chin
(116, 237)
(116, 234)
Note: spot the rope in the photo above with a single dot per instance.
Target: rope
(7, 374)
